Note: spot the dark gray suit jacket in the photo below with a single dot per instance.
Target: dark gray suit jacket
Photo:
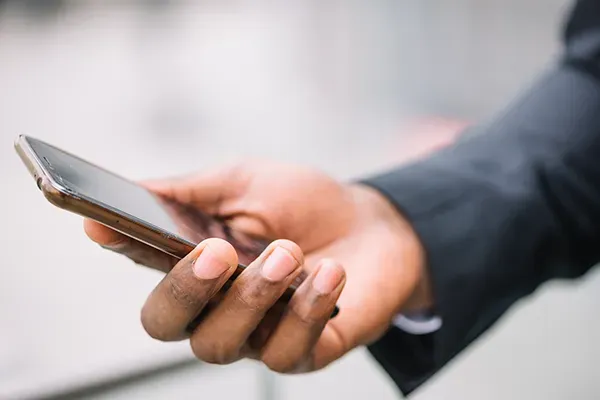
(503, 211)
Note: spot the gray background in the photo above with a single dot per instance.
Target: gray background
(159, 88)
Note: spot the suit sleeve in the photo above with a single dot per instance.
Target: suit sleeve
(506, 209)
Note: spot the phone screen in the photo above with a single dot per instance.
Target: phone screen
(119, 194)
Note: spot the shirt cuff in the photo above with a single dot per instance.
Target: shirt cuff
(418, 324)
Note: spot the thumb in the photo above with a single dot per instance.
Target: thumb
(206, 190)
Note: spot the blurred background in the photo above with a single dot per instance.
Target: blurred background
(155, 87)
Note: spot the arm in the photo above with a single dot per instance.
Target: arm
(503, 211)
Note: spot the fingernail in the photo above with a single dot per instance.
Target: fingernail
(328, 278)
(279, 265)
(209, 265)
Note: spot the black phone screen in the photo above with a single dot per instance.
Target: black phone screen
(119, 194)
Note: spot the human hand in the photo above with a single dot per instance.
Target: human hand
(326, 225)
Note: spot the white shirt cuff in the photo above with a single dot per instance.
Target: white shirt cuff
(418, 325)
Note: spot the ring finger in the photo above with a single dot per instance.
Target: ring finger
(290, 347)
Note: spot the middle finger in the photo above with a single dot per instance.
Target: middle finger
(222, 335)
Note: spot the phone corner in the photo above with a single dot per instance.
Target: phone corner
(19, 140)
(51, 192)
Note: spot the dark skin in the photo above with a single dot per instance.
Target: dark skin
(356, 249)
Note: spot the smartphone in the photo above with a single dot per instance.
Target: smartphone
(78, 186)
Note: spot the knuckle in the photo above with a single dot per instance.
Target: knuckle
(309, 307)
(181, 293)
(250, 291)
(248, 297)
(255, 297)
(249, 164)
(238, 176)
(306, 312)
(241, 170)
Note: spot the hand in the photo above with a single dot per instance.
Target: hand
(326, 225)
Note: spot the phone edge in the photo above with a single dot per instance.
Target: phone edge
(64, 199)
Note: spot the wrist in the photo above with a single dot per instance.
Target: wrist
(384, 211)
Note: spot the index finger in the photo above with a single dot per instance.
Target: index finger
(101, 234)
(182, 295)
(208, 190)
(136, 251)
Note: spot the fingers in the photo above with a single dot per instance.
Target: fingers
(207, 191)
(290, 347)
(221, 337)
(247, 320)
(101, 234)
(187, 289)
(136, 251)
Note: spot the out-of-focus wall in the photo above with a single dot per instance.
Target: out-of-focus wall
(161, 88)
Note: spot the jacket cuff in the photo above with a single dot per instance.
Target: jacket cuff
(450, 210)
